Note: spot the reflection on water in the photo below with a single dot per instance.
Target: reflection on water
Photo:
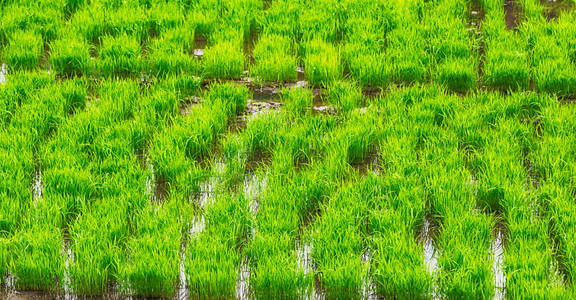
(497, 249)
(3, 72)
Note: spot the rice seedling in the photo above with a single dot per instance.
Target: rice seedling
(345, 95)
(69, 55)
(458, 74)
(406, 56)
(298, 101)
(321, 62)
(338, 245)
(37, 263)
(164, 16)
(96, 238)
(169, 54)
(23, 50)
(157, 243)
(273, 59)
(119, 55)
(123, 157)
(223, 60)
(42, 17)
(212, 258)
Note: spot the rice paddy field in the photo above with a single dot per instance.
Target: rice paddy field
(288, 149)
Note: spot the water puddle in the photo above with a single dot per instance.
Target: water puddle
(68, 258)
(308, 268)
(3, 72)
(368, 164)
(183, 293)
(368, 285)
(430, 254)
(37, 187)
(249, 44)
(514, 14)
(300, 74)
(256, 107)
(243, 280)
(157, 187)
(199, 46)
(554, 8)
(497, 250)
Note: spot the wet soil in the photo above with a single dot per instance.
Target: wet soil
(554, 8)
(514, 14)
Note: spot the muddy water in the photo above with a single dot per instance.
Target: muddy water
(183, 293)
(554, 8)
(190, 102)
(514, 14)
(199, 46)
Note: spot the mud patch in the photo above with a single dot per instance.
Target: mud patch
(186, 106)
(554, 8)
(514, 14)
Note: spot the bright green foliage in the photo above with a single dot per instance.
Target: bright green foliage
(70, 55)
(170, 53)
(23, 50)
(273, 59)
(119, 55)
(224, 58)
(345, 95)
(458, 74)
(321, 62)
(37, 261)
(156, 243)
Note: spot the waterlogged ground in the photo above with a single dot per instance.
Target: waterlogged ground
(270, 149)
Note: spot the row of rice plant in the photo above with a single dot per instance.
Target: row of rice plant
(506, 60)
(554, 162)
(452, 47)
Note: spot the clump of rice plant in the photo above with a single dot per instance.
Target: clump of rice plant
(224, 58)
(169, 53)
(298, 101)
(37, 262)
(70, 55)
(506, 63)
(273, 58)
(96, 237)
(153, 265)
(23, 50)
(466, 270)
(321, 62)
(406, 56)
(459, 74)
(119, 55)
(345, 95)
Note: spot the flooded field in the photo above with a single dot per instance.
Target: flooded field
(249, 149)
